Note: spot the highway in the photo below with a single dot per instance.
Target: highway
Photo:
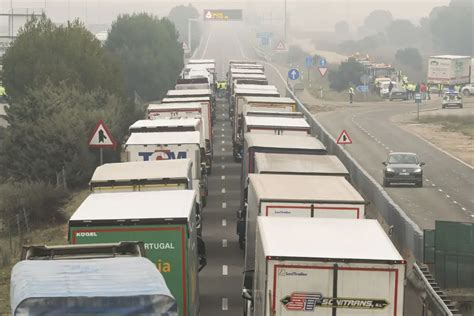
(448, 183)
(220, 281)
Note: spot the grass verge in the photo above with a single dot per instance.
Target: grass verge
(451, 123)
(47, 235)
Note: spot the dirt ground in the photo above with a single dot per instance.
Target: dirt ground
(456, 143)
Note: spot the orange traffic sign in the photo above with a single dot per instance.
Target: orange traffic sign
(344, 138)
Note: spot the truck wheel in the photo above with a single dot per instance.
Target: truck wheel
(466, 92)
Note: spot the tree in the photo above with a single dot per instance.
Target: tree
(402, 32)
(44, 52)
(149, 52)
(49, 129)
(410, 57)
(341, 27)
(348, 74)
(378, 20)
(295, 55)
(180, 15)
(452, 27)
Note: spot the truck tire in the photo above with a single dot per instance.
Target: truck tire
(466, 92)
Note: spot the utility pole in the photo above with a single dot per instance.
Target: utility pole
(285, 22)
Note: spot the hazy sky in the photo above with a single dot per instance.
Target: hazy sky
(316, 14)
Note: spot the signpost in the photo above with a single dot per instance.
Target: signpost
(362, 88)
(101, 138)
(344, 138)
(280, 47)
(293, 74)
(309, 64)
(418, 102)
(222, 15)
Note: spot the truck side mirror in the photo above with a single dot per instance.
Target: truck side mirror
(384, 163)
(422, 163)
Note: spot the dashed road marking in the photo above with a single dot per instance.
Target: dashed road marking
(224, 243)
(223, 135)
(222, 177)
(224, 205)
(225, 269)
(224, 222)
(448, 196)
(225, 304)
(440, 190)
(223, 142)
(433, 185)
(222, 129)
(455, 202)
(223, 167)
(223, 149)
(463, 208)
(223, 190)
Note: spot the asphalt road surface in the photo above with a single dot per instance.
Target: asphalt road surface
(221, 280)
(448, 192)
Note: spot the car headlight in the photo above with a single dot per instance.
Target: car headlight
(389, 169)
(418, 170)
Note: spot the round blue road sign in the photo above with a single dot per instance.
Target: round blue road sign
(293, 74)
(322, 62)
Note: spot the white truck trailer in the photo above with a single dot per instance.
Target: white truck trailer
(270, 104)
(448, 69)
(295, 196)
(313, 165)
(325, 267)
(275, 125)
(171, 145)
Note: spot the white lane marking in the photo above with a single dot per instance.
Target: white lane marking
(223, 135)
(222, 177)
(224, 222)
(223, 142)
(222, 129)
(440, 190)
(225, 269)
(225, 304)
(463, 208)
(224, 243)
(223, 114)
(223, 190)
(223, 124)
(223, 149)
(448, 196)
(223, 166)
(433, 185)
(224, 205)
(455, 202)
(427, 180)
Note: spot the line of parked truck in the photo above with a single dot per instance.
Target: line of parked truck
(301, 224)
(308, 246)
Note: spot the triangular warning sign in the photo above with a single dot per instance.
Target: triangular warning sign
(208, 15)
(344, 138)
(322, 71)
(185, 46)
(101, 137)
(280, 47)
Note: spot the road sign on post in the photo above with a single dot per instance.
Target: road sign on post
(101, 138)
(280, 47)
(222, 15)
(322, 62)
(293, 74)
(362, 88)
(309, 61)
(344, 138)
(418, 102)
(323, 71)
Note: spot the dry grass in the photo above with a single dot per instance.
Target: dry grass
(50, 235)
(452, 123)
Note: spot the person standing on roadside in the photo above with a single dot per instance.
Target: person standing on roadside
(351, 95)
(423, 91)
(428, 92)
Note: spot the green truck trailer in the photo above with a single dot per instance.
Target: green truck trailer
(165, 221)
